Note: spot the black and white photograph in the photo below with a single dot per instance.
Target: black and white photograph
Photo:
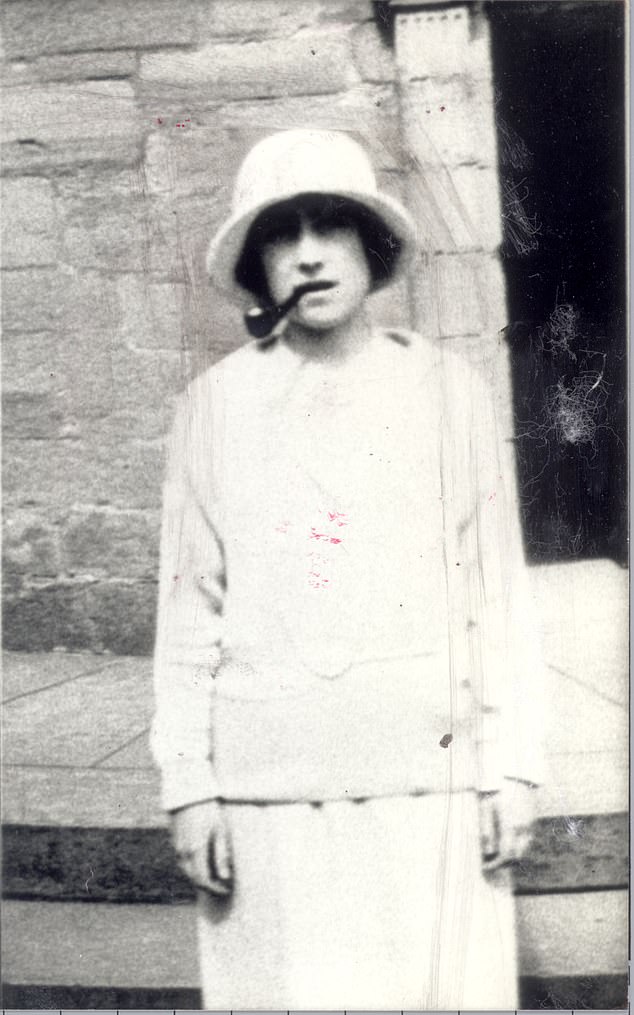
(315, 505)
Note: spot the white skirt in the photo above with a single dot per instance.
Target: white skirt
(379, 904)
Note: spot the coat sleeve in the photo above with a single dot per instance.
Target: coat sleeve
(513, 681)
(189, 622)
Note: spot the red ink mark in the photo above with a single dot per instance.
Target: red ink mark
(319, 562)
(159, 121)
(493, 496)
(323, 535)
(338, 516)
(316, 580)
(282, 527)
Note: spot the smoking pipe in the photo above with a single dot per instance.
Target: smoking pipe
(260, 321)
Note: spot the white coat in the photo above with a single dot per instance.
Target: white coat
(343, 617)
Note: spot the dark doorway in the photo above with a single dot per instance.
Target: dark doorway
(560, 103)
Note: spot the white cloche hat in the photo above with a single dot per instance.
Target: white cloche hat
(288, 164)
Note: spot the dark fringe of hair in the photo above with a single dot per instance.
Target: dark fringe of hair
(382, 248)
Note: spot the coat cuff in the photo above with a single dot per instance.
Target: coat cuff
(187, 782)
(504, 757)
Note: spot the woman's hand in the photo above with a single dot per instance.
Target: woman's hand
(506, 819)
(202, 842)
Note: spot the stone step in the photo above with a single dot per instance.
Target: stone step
(605, 995)
(574, 950)
(128, 865)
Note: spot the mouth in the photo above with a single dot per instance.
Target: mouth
(312, 287)
(260, 321)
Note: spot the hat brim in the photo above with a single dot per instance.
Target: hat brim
(226, 247)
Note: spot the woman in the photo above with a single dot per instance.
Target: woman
(341, 724)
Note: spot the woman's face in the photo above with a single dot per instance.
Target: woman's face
(306, 244)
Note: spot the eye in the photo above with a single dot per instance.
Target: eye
(283, 228)
(332, 220)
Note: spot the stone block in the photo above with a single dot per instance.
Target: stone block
(44, 300)
(442, 43)
(90, 303)
(75, 67)
(254, 19)
(35, 415)
(57, 113)
(28, 362)
(124, 615)
(373, 58)
(369, 112)
(317, 62)
(110, 222)
(196, 160)
(448, 123)
(118, 617)
(194, 222)
(347, 11)
(32, 27)
(390, 306)
(35, 158)
(153, 314)
(124, 473)
(58, 385)
(190, 319)
(30, 545)
(41, 619)
(100, 469)
(219, 330)
(459, 295)
(470, 293)
(142, 385)
(363, 107)
(33, 299)
(55, 381)
(121, 544)
(29, 227)
(456, 208)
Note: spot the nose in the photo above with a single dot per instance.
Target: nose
(309, 251)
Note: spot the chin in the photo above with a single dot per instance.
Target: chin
(325, 321)
(321, 325)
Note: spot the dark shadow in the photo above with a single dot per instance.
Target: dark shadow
(560, 92)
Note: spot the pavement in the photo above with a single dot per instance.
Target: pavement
(94, 902)
(75, 726)
(75, 739)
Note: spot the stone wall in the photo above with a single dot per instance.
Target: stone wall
(124, 124)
